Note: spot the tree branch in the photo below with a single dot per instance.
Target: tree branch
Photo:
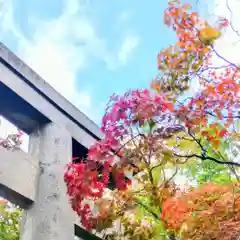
(224, 59)
(231, 16)
(149, 210)
(203, 157)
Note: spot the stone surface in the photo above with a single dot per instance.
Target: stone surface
(18, 173)
(39, 84)
(50, 217)
(12, 81)
(33, 103)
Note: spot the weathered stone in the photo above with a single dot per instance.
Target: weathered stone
(18, 175)
(30, 103)
(50, 217)
(30, 79)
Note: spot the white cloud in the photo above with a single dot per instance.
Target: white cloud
(228, 45)
(61, 47)
(53, 51)
(127, 48)
(58, 49)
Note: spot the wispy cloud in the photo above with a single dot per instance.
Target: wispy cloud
(128, 46)
(229, 44)
(61, 47)
(58, 48)
(7, 24)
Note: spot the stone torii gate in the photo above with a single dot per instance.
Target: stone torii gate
(57, 132)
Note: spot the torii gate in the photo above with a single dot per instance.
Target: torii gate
(57, 132)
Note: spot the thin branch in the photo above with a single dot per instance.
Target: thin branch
(233, 170)
(202, 157)
(231, 16)
(213, 68)
(143, 156)
(155, 166)
(171, 178)
(198, 141)
(149, 210)
(123, 145)
(224, 59)
(231, 117)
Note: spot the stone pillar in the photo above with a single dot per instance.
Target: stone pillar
(50, 217)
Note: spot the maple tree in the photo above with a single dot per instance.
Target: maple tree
(152, 136)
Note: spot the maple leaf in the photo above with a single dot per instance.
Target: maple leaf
(208, 34)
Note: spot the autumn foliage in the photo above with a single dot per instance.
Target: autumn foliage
(211, 211)
(152, 135)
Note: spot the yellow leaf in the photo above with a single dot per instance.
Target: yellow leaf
(208, 34)
(205, 50)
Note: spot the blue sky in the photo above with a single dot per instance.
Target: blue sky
(87, 49)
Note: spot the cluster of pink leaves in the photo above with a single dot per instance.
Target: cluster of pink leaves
(87, 179)
(12, 140)
(134, 108)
